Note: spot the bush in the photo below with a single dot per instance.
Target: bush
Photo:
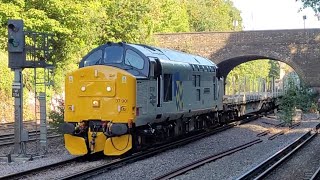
(57, 116)
(296, 98)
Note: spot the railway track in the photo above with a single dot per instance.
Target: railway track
(259, 171)
(88, 173)
(316, 175)
(271, 164)
(278, 133)
(205, 160)
(10, 125)
(8, 139)
(110, 164)
(25, 174)
(122, 161)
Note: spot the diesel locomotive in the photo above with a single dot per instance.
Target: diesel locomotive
(125, 97)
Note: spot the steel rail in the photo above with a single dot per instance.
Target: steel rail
(316, 175)
(88, 173)
(205, 160)
(274, 161)
(11, 135)
(24, 174)
(33, 139)
(118, 162)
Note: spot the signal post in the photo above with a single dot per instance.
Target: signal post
(18, 53)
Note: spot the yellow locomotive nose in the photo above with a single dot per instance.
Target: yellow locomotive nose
(100, 93)
(95, 95)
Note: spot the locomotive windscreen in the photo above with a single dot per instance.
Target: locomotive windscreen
(118, 55)
(112, 54)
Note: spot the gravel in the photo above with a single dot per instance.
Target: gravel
(302, 166)
(56, 152)
(229, 167)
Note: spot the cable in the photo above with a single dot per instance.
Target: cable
(123, 148)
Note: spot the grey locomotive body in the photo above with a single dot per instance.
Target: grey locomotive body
(183, 92)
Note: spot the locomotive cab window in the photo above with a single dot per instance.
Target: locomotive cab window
(113, 54)
(134, 59)
(93, 58)
(167, 87)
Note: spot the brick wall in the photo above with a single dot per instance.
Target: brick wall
(298, 48)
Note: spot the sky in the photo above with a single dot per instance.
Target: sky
(275, 14)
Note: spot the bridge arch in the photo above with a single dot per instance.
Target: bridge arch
(230, 61)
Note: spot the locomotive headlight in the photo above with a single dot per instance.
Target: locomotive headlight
(83, 88)
(95, 103)
(108, 88)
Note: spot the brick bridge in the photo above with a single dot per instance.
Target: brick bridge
(300, 49)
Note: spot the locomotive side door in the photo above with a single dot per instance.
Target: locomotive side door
(156, 73)
(156, 87)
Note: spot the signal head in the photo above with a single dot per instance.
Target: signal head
(13, 27)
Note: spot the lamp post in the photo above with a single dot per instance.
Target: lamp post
(304, 21)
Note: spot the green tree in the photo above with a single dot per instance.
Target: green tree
(288, 102)
(295, 97)
(248, 76)
(79, 25)
(274, 71)
(314, 4)
(213, 15)
(168, 16)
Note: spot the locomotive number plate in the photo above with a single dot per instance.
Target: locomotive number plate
(121, 100)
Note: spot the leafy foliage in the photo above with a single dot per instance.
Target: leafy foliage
(295, 98)
(219, 15)
(80, 25)
(245, 77)
(289, 102)
(57, 116)
(314, 4)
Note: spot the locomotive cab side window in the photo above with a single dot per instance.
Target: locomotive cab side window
(93, 58)
(134, 59)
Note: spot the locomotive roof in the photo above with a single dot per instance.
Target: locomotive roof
(172, 55)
